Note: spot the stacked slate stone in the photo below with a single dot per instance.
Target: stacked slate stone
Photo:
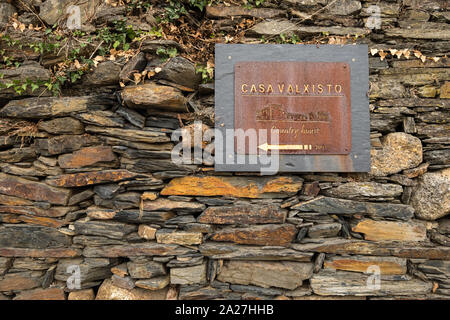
(87, 185)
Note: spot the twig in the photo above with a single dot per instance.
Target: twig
(92, 54)
(33, 12)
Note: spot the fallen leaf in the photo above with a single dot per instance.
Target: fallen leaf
(406, 53)
(382, 54)
(137, 77)
(435, 286)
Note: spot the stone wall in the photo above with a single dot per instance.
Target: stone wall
(87, 182)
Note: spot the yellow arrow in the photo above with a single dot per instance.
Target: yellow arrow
(266, 147)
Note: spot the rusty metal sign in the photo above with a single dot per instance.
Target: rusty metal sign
(309, 103)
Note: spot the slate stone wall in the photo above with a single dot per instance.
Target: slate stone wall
(87, 184)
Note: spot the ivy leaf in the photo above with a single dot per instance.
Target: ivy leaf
(34, 87)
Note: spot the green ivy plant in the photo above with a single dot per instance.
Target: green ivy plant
(253, 3)
(206, 72)
(293, 39)
(166, 53)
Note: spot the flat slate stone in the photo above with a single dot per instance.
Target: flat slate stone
(342, 283)
(65, 143)
(349, 207)
(179, 237)
(109, 229)
(246, 187)
(40, 253)
(266, 235)
(136, 216)
(91, 270)
(89, 178)
(18, 154)
(365, 190)
(41, 294)
(156, 283)
(228, 251)
(243, 214)
(32, 108)
(132, 116)
(31, 190)
(146, 270)
(33, 237)
(162, 204)
(359, 263)
(288, 275)
(66, 125)
(324, 230)
(89, 156)
(14, 201)
(101, 118)
(21, 281)
(188, 275)
(392, 230)
(53, 212)
(233, 11)
(138, 249)
(256, 290)
(371, 248)
(130, 134)
(181, 71)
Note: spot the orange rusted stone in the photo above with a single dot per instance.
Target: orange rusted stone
(87, 157)
(387, 265)
(89, 178)
(31, 190)
(43, 221)
(255, 187)
(391, 230)
(14, 201)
